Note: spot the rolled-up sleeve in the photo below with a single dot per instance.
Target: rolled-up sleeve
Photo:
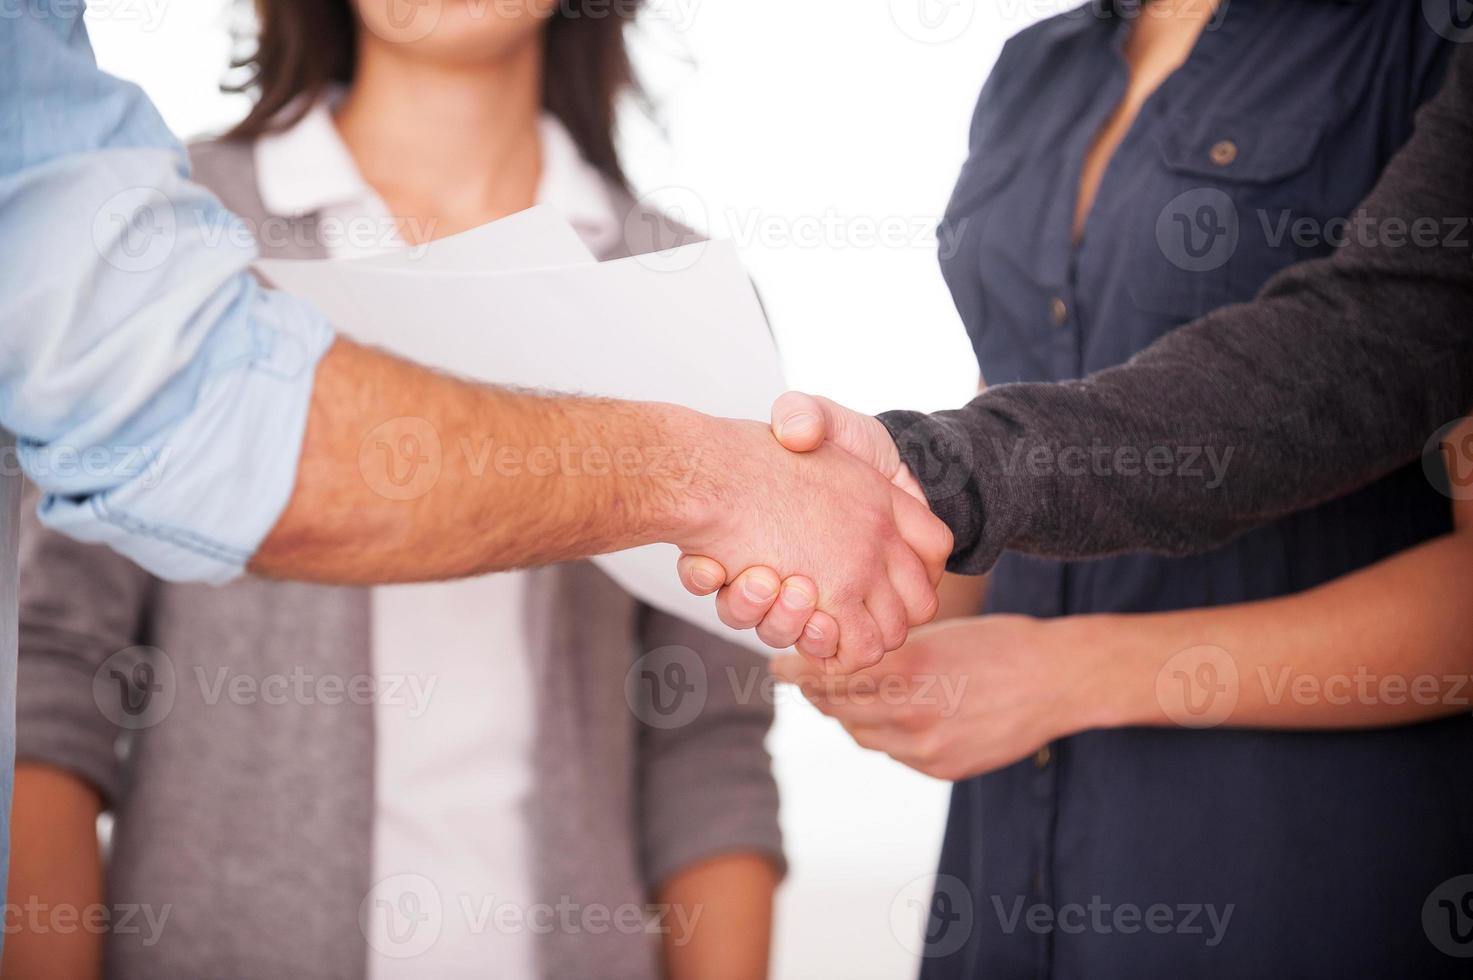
(157, 392)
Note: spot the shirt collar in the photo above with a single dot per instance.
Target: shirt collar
(575, 189)
(307, 168)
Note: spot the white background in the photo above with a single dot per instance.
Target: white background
(823, 136)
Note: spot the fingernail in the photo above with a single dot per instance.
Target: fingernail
(795, 423)
(813, 632)
(759, 589)
(703, 579)
(796, 598)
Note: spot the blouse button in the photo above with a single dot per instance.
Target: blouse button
(1059, 311)
(1224, 152)
(1042, 757)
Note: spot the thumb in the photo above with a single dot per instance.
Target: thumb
(802, 423)
(798, 422)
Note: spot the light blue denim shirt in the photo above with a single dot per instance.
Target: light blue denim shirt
(157, 394)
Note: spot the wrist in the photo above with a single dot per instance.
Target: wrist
(1108, 682)
(685, 498)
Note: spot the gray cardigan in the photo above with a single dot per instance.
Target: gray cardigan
(252, 822)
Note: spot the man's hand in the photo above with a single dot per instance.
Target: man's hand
(874, 553)
(965, 697)
(756, 597)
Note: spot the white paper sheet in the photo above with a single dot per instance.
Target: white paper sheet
(683, 327)
(537, 238)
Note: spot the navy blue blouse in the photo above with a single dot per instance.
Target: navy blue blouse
(1318, 850)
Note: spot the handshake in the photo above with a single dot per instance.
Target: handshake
(834, 546)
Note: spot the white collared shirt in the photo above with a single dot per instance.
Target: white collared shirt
(307, 169)
(454, 716)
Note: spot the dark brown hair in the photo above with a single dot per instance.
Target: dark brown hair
(304, 46)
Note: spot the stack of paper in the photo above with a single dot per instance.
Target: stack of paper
(522, 302)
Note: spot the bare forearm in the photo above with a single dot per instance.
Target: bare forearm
(55, 870)
(720, 921)
(407, 474)
(1389, 645)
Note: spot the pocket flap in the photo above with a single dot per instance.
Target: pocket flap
(1236, 148)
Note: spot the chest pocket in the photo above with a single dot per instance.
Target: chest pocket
(1230, 189)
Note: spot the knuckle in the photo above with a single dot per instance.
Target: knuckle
(777, 637)
(926, 611)
(733, 617)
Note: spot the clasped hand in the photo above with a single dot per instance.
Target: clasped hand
(839, 552)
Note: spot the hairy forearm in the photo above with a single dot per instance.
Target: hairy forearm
(407, 474)
(55, 876)
(1391, 644)
(720, 919)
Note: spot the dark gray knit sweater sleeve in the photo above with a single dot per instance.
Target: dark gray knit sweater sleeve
(1338, 373)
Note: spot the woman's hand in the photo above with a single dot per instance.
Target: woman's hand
(964, 697)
